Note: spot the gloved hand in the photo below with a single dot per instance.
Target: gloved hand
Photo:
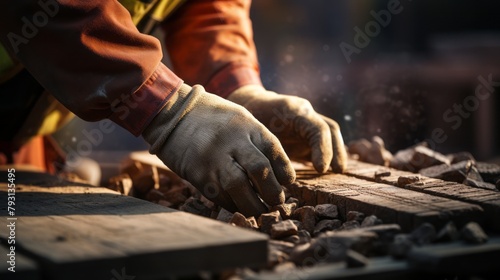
(221, 149)
(304, 134)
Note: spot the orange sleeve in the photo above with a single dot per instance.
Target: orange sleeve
(91, 57)
(210, 42)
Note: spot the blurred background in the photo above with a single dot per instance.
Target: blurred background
(415, 74)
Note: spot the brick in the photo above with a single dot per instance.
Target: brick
(488, 200)
(389, 203)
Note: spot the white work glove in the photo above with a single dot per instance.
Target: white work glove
(221, 149)
(304, 134)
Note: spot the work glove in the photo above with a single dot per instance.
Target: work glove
(304, 134)
(221, 149)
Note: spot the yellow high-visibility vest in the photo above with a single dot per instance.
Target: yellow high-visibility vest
(48, 114)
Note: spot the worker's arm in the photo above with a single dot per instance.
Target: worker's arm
(210, 42)
(91, 57)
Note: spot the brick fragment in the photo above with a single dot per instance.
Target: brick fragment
(407, 180)
(326, 225)
(267, 220)
(401, 246)
(224, 215)
(371, 220)
(286, 210)
(448, 233)
(307, 216)
(424, 234)
(355, 216)
(425, 157)
(283, 229)
(473, 233)
(326, 211)
(240, 220)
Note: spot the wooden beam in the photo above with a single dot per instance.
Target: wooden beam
(25, 268)
(82, 232)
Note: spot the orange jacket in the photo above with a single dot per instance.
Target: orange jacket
(91, 57)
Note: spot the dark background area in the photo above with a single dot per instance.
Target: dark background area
(427, 58)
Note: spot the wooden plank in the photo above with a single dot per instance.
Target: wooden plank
(391, 204)
(488, 200)
(83, 232)
(457, 258)
(24, 267)
(383, 268)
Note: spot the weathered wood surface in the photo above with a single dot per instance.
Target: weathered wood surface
(25, 268)
(83, 232)
(391, 204)
(487, 199)
(457, 258)
(377, 269)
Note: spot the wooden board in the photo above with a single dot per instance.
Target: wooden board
(457, 258)
(391, 204)
(25, 268)
(377, 269)
(487, 199)
(83, 232)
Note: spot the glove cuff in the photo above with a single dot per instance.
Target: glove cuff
(160, 128)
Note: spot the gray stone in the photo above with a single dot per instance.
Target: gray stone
(326, 211)
(473, 233)
(295, 239)
(425, 157)
(461, 156)
(350, 225)
(448, 233)
(355, 216)
(424, 234)
(358, 240)
(283, 229)
(196, 206)
(401, 246)
(224, 215)
(326, 225)
(479, 184)
(304, 236)
(371, 220)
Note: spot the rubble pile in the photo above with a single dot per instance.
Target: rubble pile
(305, 235)
(457, 167)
